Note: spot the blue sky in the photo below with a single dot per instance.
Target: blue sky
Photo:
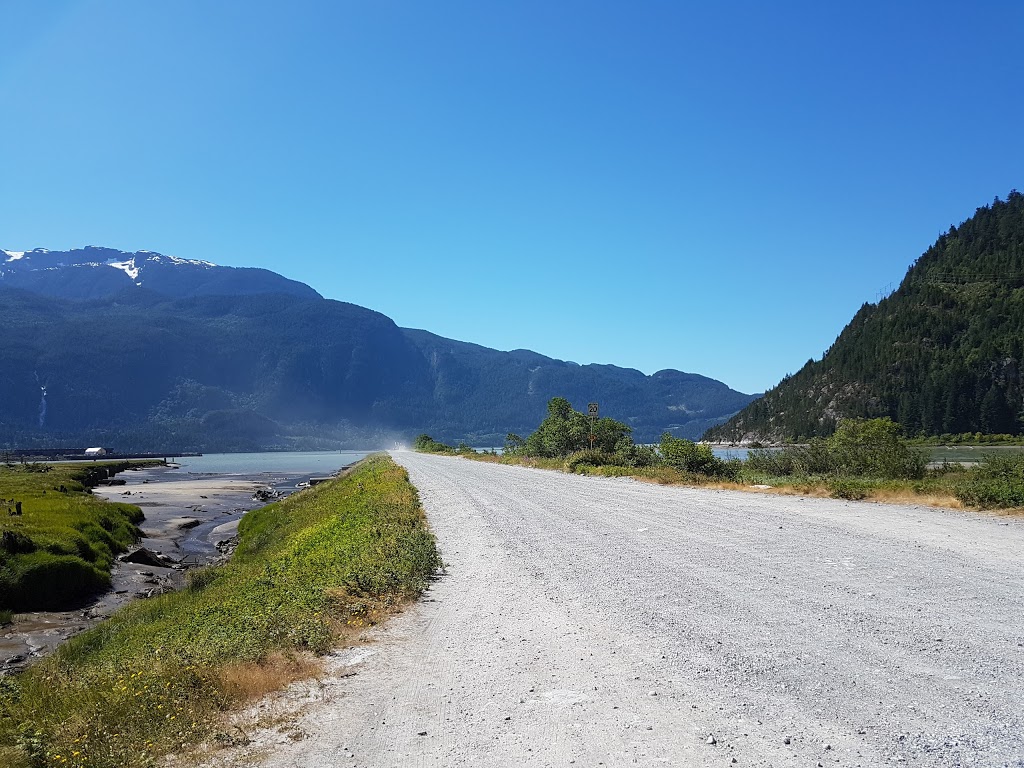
(713, 187)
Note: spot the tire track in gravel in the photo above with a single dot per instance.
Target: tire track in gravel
(594, 621)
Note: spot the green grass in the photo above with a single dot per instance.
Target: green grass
(61, 547)
(935, 488)
(153, 677)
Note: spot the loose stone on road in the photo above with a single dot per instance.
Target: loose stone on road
(590, 621)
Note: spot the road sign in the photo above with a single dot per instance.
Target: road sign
(592, 410)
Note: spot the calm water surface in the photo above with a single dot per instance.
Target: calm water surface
(731, 453)
(287, 462)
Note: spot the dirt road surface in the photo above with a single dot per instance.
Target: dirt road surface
(588, 622)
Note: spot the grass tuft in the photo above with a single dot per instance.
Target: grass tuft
(248, 680)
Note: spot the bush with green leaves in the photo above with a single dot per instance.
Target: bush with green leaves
(629, 454)
(694, 458)
(858, 448)
(427, 444)
(996, 483)
(799, 460)
(514, 445)
(848, 488)
(566, 431)
(590, 458)
(874, 448)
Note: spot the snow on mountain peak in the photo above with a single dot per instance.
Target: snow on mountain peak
(116, 258)
(84, 272)
(128, 267)
(179, 260)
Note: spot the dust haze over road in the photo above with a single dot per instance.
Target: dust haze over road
(593, 621)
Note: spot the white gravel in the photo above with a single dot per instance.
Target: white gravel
(608, 622)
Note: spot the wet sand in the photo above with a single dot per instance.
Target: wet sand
(191, 518)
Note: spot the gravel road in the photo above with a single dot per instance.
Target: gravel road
(594, 621)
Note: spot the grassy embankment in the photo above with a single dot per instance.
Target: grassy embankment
(936, 489)
(152, 679)
(997, 483)
(60, 548)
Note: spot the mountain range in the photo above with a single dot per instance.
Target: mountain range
(942, 355)
(95, 273)
(142, 351)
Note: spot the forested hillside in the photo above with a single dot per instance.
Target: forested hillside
(941, 355)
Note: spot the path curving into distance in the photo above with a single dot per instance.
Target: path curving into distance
(589, 621)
